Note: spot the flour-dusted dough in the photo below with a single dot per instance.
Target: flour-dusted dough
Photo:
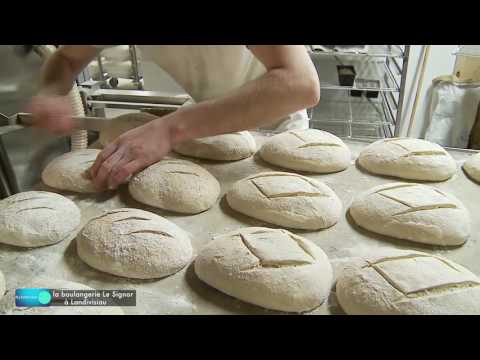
(135, 244)
(408, 158)
(227, 147)
(472, 167)
(176, 185)
(7, 304)
(309, 150)
(70, 171)
(286, 199)
(122, 124)
(271, 268)
(413, 212)
(2, 285)
(37, 218)
(403, 282)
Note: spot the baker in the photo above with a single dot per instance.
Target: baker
(234, 87)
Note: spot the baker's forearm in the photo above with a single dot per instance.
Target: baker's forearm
(259, 103)
(61, 69)
(57, 76)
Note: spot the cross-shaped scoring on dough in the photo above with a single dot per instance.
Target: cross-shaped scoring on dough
(421, 275)
(416, 197)
(310, 142)
(276, 248)
(415, 147)
(282, 185)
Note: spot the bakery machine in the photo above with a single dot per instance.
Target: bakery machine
(25, 150)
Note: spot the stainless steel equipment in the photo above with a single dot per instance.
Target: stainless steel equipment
(25, 150)
(100, 99)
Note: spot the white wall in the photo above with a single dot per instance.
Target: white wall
(440, 62)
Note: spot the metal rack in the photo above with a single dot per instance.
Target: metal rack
(468, 51)
(361, 117)
(111, 81)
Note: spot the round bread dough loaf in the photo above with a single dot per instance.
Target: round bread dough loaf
(37, 218)
(404, 282)
(135, 244)
(286, 199)
(2, 285)
(176, 185)
(7, 304)
(472, 167)
(226, 147)
(408, 158)
(309, 150)
(413, 212)
(70, 171)
(271, 268)
(122, 124)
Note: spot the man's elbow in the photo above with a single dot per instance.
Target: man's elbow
(311, 91)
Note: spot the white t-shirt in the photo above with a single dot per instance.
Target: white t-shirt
(209, 71)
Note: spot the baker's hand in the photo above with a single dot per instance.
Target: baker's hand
(130, 153)
(53, 113)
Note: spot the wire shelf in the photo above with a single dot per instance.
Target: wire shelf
(353, 118)
(394, 51)
(468, 51)
(369, 69)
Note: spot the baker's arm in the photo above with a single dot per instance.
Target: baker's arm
(289, 84)
(51, 109)
(63, 67)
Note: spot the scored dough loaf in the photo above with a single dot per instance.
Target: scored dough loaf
(413, 212)
(226, 147)
(309, 150)
(408, 158)
(271, 268)
(472, 167)
(176, 185)
(135, 244)
(37, 218)
(404, 282)
(286, 199)
(122, 124)
(2, 285)
(70, 171)
(7, 304)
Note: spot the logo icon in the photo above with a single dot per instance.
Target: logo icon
(33, 297)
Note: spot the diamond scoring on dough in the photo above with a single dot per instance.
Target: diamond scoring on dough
(423, 290)
(278, 251)
(415, 208)
(311, 144)
(413, 152)
(270, 195)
